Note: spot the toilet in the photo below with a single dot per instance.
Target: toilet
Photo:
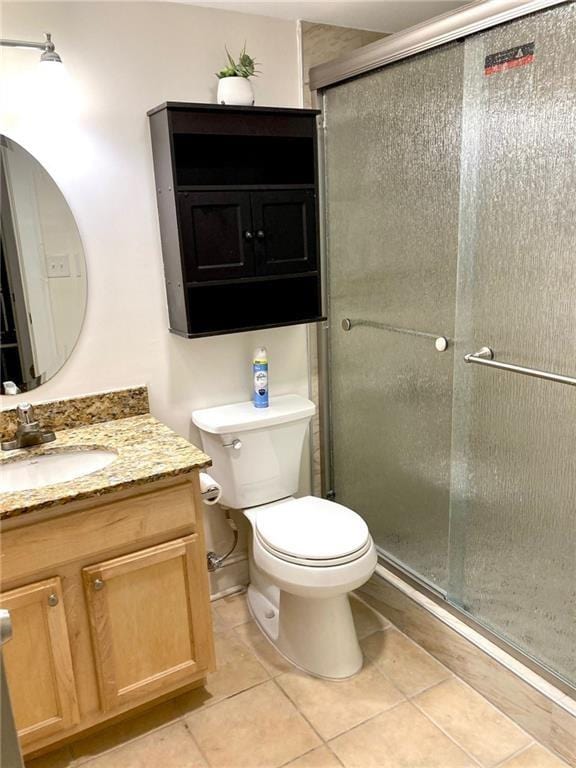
(306, 554)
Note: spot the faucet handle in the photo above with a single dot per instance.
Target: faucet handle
(25, 413)
(28, 432)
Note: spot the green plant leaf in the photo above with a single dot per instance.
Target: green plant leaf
(230, 58)
(244, 67)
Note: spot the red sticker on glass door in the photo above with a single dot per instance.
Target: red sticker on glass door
(512, 58)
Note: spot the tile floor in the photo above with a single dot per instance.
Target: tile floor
(404, 710)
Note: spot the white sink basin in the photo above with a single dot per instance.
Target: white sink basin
(52, 468)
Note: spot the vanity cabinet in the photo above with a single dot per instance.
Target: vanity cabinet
(39, 664)
(110, 608)
(147, 621)
(238, 205)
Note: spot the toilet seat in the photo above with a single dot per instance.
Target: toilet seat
(312, 532)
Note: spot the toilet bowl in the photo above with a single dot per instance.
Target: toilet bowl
(306, 554)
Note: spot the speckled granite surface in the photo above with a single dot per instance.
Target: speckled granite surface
(76, 411)
(147, 451)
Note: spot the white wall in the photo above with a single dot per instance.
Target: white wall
(122, 59)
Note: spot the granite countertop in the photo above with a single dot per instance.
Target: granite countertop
(147, 451)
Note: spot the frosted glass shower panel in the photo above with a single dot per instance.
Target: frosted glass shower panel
(513, 503)
(392, 190)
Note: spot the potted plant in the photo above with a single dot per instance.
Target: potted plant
(234, 87)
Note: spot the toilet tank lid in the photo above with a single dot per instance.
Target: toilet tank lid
(240, 417)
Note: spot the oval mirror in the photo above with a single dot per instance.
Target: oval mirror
(43, 273)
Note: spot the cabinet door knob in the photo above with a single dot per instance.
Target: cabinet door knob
(260, 234)
(98, 584)
(52, 599)
(248, 235)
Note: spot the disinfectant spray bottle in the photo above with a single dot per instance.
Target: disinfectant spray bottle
(260, 373)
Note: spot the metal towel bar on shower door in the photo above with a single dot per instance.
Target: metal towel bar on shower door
(440, 342)
(485, 356)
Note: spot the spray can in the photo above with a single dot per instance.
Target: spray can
(260, 374)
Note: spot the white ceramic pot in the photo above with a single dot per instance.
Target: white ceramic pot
(235, 90)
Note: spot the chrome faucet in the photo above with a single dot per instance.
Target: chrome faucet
(29, 432)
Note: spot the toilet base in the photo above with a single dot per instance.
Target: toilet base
(317, 635)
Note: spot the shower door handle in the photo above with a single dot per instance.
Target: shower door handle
(440, 342)
(485, 356)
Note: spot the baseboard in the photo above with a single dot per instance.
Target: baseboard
(231, 577)
(534, 703)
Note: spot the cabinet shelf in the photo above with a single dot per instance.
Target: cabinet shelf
(239, 187)
(238, 207)
(252, 279)
(247, 328)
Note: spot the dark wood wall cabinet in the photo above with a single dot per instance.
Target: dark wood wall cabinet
(237, 194)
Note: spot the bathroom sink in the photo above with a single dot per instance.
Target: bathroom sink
(51, 468)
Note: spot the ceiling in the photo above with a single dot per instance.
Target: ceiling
(377, 15)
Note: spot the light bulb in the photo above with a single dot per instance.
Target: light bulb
(52, 88)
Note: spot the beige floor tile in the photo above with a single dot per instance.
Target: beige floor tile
(333, 707)
(399, 738)
(534, 757)
(237, 669)
(61, 758)
(408, 666)
(231, 611)
(318, 758)
(118, 734)
(171, 747)
(218, 623)
(366, 619)
(469, 719)
(259, 728)
(563, 733)
(267, 655)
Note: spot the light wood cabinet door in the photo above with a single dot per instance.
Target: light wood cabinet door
(38, 661)
(149, 620)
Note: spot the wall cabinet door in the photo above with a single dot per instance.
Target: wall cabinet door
(148, 619)
(284, 231)
(38, 661)
(216, 232)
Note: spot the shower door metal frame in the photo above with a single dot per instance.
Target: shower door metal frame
(456, 25)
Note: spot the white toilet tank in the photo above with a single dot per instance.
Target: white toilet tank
(256, 452)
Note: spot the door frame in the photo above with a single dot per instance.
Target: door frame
(15, 285)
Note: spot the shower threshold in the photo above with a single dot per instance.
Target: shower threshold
(416, 585)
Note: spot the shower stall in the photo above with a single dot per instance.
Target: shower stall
(450, 353)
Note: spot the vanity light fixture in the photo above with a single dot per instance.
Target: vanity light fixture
(47, 47)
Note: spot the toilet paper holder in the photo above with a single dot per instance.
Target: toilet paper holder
(211, 492)
(210, 489)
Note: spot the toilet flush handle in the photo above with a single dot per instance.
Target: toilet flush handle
(236, 444)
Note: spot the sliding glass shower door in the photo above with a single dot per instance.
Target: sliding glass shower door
(513, 498)
(451, 212)
(393, 165)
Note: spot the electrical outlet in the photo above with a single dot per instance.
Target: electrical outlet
(59, 266)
